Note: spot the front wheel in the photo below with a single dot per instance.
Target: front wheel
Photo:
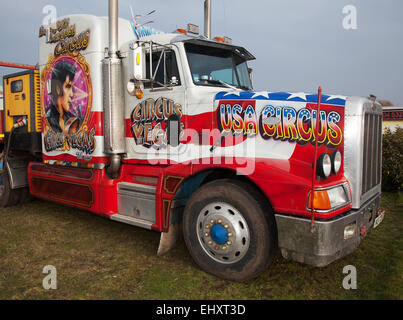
(228, 230)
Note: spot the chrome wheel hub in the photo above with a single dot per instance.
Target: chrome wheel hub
(223, 232)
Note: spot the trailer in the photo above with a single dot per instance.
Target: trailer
(164, 131)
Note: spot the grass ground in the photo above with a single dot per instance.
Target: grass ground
(99, 259)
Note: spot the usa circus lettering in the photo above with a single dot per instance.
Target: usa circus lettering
(281, 123)
(148, 121)
(237, 120)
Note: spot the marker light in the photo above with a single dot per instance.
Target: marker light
(336, 161)
(139, 94)
(183, 31)
(324, 165)
(349, 231)
(223, 39)
(321, 200)
(192, 28)
(329, 199)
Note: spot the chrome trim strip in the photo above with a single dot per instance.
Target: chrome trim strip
(132, 221)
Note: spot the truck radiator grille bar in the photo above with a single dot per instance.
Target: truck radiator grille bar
(372, 152)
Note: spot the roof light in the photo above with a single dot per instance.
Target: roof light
(223, 39)
(227, 40)
(183, 31)
(192, 28)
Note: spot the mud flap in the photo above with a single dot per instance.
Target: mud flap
(169, 239)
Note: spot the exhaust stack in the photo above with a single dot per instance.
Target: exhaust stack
(114, 123)
(207, 19)
(113, 28)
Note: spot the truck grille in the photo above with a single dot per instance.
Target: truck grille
(371, 170)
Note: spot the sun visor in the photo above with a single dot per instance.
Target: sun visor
(242, 52)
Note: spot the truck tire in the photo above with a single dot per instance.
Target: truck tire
(228, 230)
(25, 196)
(8, 196)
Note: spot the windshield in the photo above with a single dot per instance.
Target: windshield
(216, 67)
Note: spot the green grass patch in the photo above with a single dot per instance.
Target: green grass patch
(99, 259)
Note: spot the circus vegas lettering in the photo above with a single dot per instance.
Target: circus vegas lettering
(281, 123)
(148, 121)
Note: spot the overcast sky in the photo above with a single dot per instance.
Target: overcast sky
(298, 44)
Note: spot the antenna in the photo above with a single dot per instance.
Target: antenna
(135, 25)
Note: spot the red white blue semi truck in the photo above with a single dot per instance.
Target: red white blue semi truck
(164, 131)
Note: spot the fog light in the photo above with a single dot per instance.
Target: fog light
(349, 231)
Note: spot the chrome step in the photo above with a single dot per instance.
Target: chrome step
(132, 221)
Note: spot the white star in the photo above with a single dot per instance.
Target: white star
(301, 95)
(264, 94)
(336, 97)
(236, 93)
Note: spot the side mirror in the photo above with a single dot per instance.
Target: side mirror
(138, 62)
(173, 127)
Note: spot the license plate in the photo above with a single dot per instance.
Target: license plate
(379, 219)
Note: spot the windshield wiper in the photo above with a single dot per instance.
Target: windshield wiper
(225, 84)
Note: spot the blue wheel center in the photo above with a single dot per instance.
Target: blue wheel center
(219, 234)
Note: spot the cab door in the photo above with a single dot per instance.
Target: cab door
(163, 100)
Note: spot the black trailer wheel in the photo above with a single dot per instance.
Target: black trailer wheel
(228, 231)
(8, 196)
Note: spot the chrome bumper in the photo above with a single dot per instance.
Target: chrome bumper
(326, 243)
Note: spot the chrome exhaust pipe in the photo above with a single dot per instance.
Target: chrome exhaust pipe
(207, 19)
(114, 122)
(113, 28)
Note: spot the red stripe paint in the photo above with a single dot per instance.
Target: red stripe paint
(16, 65)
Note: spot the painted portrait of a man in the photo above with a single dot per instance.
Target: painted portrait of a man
(60, 114)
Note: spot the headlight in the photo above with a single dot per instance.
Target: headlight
(337, 196)
(336, 161)
(329, 199)
(324, 165)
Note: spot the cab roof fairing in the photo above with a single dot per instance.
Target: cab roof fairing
(173, 38)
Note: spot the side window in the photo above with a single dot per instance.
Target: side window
(167, 72)
(16, 86)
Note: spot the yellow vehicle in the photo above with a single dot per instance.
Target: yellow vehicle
(20, 130)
